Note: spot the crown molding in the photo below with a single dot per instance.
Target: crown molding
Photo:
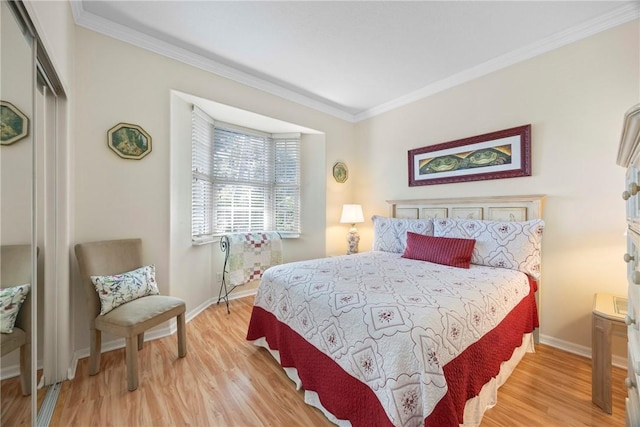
(93, 22)
(612, 19)
(120, 32)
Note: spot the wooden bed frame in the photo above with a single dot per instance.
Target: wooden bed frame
(495, 208)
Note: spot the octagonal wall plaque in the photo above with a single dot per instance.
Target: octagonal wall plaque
(340, 172)
(129, 141)
(14, 125)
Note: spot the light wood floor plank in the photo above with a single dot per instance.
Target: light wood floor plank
(225, 381)
(14, 407)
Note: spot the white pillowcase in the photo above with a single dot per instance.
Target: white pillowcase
(10, 301)
(509, 244)
(117, 289)
(390, 234)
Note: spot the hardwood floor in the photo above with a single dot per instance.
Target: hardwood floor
(16, 408)
(226, 381)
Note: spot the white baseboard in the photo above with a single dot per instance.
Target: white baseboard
(9, 372)
(12, 371)
(580, 350)
(71, 371)
(153, 334)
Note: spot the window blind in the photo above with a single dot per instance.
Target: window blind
(243, 174)
(287, 184)
(201, 174)
(248, 181)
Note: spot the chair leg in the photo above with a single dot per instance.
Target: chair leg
(140, 340)
(182, 335)
(25, 369)
(95, 348)
(132, 363)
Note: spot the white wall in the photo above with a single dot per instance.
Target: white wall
(574, 98)
(118, 198)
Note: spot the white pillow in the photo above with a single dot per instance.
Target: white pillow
(117, 289)
(10, 301)
(505, 244)
(390, 234)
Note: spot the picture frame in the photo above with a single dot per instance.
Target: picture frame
(14, 124)
(340, 172)
(129, 141)
(496, 155)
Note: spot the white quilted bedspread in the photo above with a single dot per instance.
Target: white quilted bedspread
(391, 322)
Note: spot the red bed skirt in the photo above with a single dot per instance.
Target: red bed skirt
(465, 375)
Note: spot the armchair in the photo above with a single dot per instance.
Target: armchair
(131, 319)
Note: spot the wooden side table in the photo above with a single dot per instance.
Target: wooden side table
(607, 318)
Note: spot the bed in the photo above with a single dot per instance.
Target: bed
(390, 337)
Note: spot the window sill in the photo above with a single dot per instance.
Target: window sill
(200, 241)
(289, 235)
(206, 240)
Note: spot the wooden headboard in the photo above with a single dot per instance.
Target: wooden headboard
(496, 208)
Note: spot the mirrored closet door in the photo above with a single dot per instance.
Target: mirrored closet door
(31, 94)
(17, 217)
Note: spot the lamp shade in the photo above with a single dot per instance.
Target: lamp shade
(351, 214)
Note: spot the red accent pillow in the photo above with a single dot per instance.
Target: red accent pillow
(441, 250)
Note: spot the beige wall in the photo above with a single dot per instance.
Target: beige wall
(574, 98)
(118, 198)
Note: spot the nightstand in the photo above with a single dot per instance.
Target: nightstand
(607, 318)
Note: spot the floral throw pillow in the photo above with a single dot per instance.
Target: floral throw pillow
(10, 301)
(390, 234)
(117, 289)
(506, 244)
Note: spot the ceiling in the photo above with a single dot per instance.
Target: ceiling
(352, 59)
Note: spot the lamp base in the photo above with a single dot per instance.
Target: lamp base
(353, 238)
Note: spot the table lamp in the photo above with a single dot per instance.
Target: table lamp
(352, 214)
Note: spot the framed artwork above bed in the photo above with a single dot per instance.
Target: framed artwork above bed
(502, 154)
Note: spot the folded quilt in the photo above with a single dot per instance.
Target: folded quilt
(250, 254)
